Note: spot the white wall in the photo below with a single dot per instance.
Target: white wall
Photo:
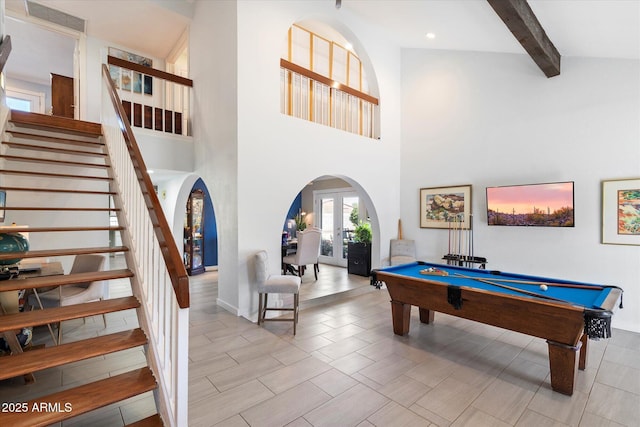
(213, 65)
(494, 119)
(252, 198)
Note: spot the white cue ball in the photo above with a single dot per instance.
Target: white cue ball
(543, 287)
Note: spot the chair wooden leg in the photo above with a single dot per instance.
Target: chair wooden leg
(296, 299)
(259, 308)
(315, 270)
(59, 333)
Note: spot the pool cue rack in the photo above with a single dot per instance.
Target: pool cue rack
(461, 244)
(466, 261)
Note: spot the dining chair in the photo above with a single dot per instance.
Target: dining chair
(307, 252)
(402, 251)
(275, 284)
(78, 293)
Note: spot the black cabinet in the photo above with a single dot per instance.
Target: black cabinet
(359, 258)
(194, 234)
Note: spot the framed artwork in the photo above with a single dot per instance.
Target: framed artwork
(621, 212)
(131, 81)
(440, 206)
(3, 202)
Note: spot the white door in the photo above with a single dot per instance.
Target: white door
(333, 215)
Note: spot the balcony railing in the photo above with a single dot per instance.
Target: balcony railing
(152, 99)
(314, 97)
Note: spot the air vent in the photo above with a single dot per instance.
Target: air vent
(54, 16)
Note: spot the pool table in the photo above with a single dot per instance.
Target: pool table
(566, 313)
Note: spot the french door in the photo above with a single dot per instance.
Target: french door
(334, 212)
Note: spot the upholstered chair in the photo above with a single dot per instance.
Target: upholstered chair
(275, 284)
(78, 293)
(402, 251)
(307, 252)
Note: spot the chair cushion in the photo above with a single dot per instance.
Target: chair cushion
(279, 284)
(290, 259)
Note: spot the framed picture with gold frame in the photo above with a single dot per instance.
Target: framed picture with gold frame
(621, 211)
(441, 206)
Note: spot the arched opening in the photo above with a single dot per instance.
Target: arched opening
(336, 205)
(174, 190)
(324, 80)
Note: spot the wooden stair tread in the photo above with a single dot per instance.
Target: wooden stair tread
(96, 143)
(23, 146)
(151, 421)
(65, 208)
(59, 190)
(84, 398)
(63, 252)
(55, 123)
(63, 279)
(18, 229)
(17, 321)
(52, 161)
(49, 357)
(53, 175)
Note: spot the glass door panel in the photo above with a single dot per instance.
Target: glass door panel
(326, 225)
(334, 218)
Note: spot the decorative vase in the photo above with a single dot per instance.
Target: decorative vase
(12, 242)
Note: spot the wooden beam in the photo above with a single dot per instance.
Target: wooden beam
(523, 24)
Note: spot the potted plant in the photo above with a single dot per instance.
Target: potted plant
(359, 251)
(301, 224)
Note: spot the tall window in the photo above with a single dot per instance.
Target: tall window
(324, 82)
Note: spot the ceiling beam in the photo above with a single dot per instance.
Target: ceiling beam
(523, 24)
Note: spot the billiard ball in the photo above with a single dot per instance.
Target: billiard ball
(543, 287)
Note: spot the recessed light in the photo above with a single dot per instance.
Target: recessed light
(430, 36)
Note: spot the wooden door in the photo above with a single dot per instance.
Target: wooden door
(62, 96)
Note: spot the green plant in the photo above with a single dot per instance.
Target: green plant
(362, 233)
(300, 223)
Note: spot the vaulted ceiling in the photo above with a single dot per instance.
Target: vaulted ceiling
(588, 28)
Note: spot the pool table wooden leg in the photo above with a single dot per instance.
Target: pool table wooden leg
(401, 314)
(563, 363)
(426, 315)
(583, 352)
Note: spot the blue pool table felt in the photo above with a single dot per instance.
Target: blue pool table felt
(587, 298)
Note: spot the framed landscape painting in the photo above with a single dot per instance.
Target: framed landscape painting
(441, 206)
(621, 212)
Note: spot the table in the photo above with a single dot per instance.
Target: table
(564, 315)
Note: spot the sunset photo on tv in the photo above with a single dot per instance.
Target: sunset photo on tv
(543, 205)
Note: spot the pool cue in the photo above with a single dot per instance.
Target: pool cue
(511, 288)
(449, 250)
(551, 285)
(459, 236)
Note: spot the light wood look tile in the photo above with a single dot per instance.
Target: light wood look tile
(345, 367)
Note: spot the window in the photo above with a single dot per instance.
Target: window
(323, 82)
(25, 100)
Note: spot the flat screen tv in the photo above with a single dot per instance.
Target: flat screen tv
(541, 205)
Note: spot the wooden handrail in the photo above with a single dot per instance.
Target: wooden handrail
(327, 81)
(172, 258)
(5, 50)
(112, 60)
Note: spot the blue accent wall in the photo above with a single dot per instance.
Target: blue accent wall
(210, 228)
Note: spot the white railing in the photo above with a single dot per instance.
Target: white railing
(311, 96)
(160, 281)
(152, 99)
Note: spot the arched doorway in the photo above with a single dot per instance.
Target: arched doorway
(335, 205)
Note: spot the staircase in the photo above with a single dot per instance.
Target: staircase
(56, 173)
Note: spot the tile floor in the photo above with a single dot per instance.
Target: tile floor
(345, 367)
